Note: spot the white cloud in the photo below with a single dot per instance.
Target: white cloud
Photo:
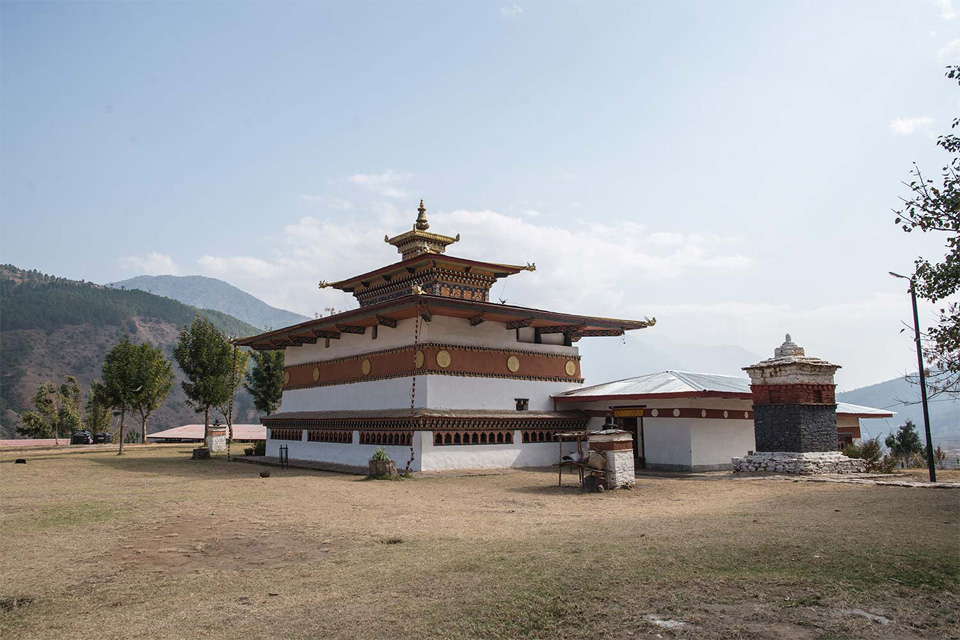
(329, 202)
(387, 184)
(613, 269)
(239, 267)
(511, 11)
(950, 49)
(906, 126)
(152, 264)
(947, 12)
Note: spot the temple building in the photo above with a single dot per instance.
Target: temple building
(429, 369)
(684, 421)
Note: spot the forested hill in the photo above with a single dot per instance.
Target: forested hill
(33, 300)
(52, 327)
(210, 293)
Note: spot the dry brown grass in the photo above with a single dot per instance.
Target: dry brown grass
(153, 545)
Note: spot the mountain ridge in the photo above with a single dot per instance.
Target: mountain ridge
(211, 293)
(53, 327)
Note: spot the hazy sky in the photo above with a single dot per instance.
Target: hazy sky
(726, 167)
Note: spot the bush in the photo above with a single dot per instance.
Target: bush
(260, 448)
(379, 455)
(871, 452)
(852, 450)
(940, 458)
(887, 464)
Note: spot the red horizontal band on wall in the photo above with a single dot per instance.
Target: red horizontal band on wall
(704, 414)
(461, 360)
(794, 393)
(619, 445)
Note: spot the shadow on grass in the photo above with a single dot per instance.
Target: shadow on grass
(179, 463)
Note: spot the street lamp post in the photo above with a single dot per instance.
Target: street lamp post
(923, 382)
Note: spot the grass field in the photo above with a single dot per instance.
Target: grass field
(154, 545)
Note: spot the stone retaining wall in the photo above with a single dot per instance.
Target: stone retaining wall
(800, 463)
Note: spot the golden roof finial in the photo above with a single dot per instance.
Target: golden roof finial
(421, 224)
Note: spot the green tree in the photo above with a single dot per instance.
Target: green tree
(56, 411)
(206, 357)
(155, 379)
(239, 359)
(265, 381)
(934, 206)
(121, 380)
(905, 443)
(96, 415)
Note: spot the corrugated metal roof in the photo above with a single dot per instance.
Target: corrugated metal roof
(195, 432)
(687, 384)
(847, 409)
(666, 382)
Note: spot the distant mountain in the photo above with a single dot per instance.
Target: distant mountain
(52, 327)
(210, 293)
(891, 395)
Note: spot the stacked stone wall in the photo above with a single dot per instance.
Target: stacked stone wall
(799, 463)
(797, 428)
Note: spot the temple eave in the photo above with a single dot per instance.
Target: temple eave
(408, 307)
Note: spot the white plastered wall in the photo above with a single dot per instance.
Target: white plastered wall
(496, 456)
(686, 444)
(354, 455)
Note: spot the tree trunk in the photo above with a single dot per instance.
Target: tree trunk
(143, 429)
(206, 425)
(122, 415)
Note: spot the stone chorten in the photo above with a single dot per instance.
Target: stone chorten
(795, 415)
(794, 401)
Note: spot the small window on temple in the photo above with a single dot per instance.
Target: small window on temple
(522, 404)
(373, 333)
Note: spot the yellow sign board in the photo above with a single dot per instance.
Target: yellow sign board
(627, 413)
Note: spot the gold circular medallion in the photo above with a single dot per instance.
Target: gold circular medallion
(365, 366)
(570, 368)
(418, 359)
(443, 359)
(513, 363)
(286, 377)
(316, 373)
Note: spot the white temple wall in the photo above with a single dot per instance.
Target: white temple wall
(444, 457)
(715, 442)
(685, 444)
(355, 455)
(439, 329)
(666, 444)
(433, 391)
(350, 344)
(393, 393)
(456, 392)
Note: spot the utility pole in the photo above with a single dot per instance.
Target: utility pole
(923, 381)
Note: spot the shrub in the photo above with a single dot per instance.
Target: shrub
(380, 455)
(871, 452)
(940, 457)
(887, 464)
(260, 448)
(852, 450)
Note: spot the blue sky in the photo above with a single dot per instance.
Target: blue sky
(726, 167)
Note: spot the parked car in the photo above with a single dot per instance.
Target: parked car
(102, 438)
(81, 437)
